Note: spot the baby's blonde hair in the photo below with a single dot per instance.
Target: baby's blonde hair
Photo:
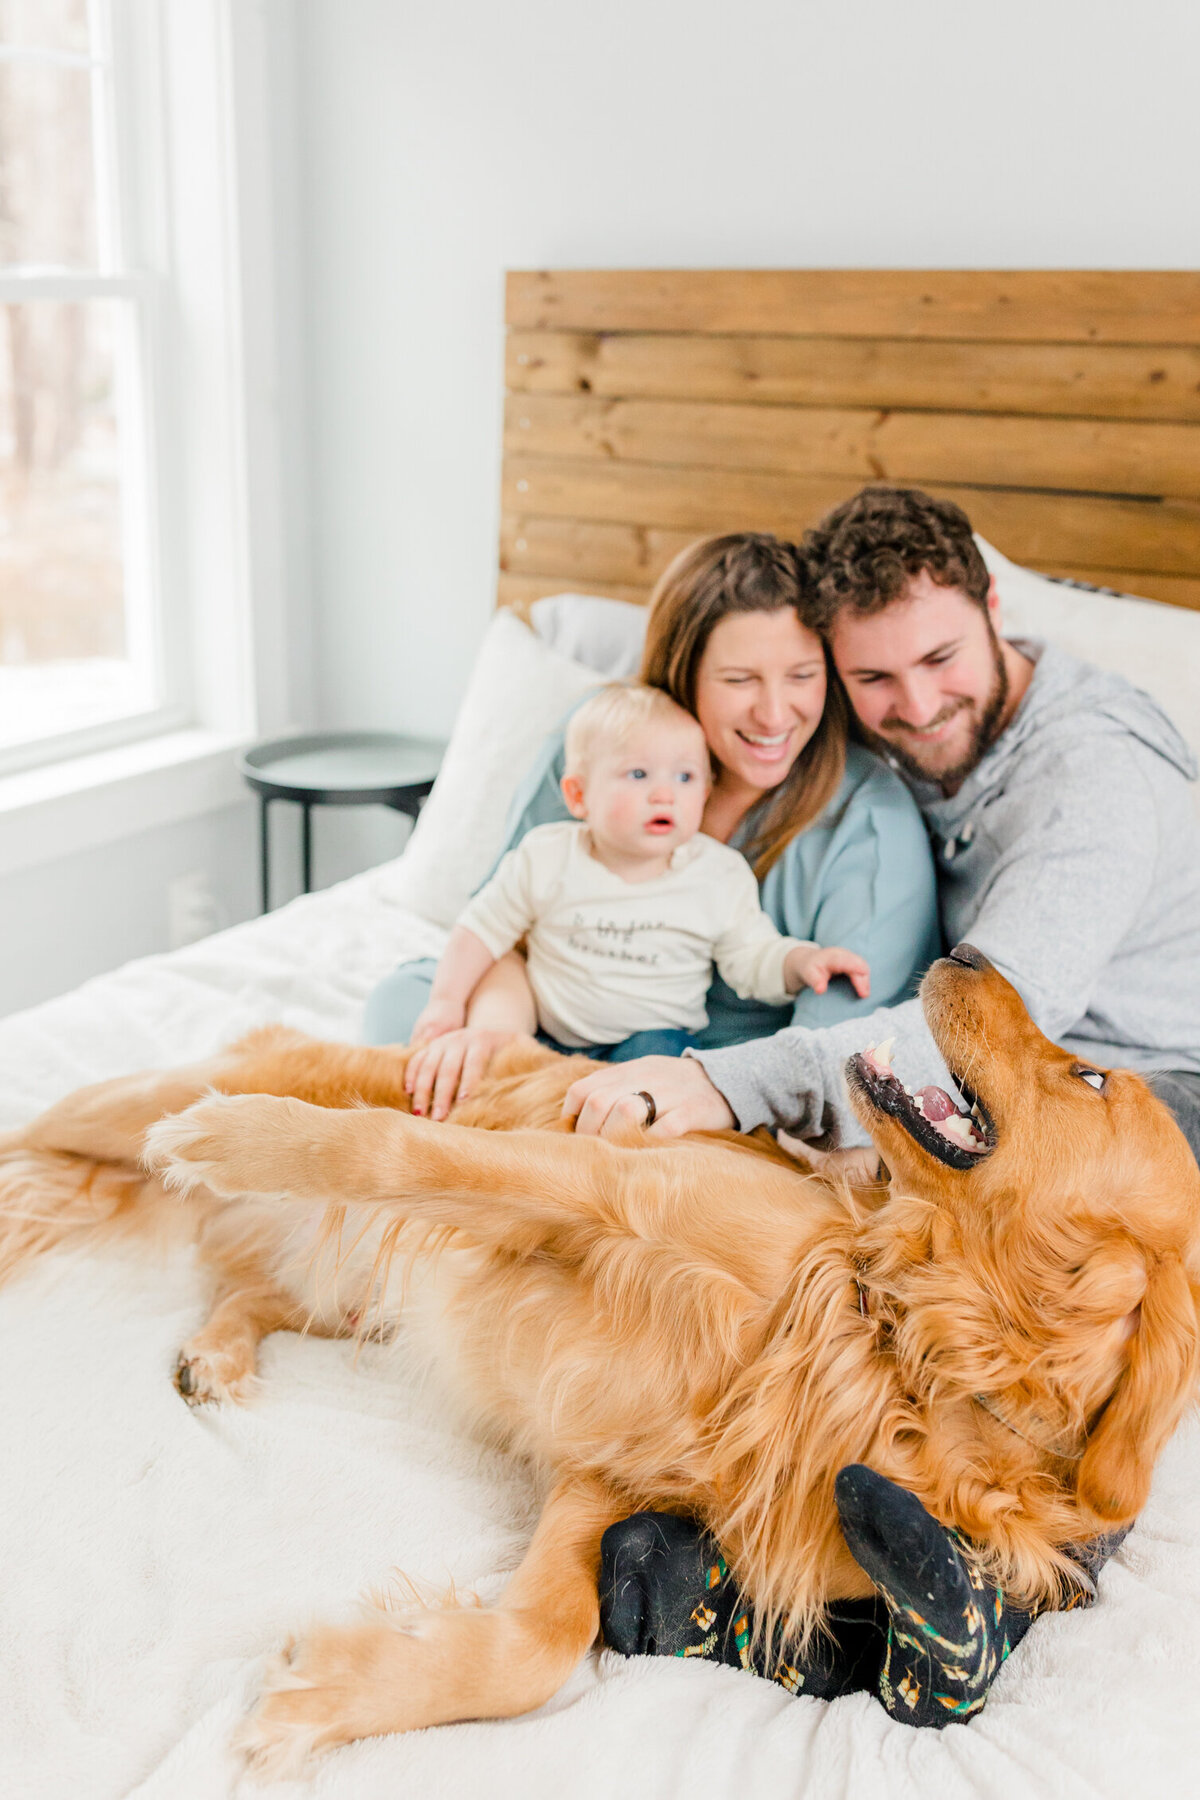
(609, 718)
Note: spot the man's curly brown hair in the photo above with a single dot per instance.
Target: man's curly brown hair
(864, 554)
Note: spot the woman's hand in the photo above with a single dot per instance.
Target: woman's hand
(450, 1067)
(608, 1102)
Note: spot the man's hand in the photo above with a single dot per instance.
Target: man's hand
(450, 1067)
(606, 1104)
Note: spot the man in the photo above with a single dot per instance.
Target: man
(1058, 805)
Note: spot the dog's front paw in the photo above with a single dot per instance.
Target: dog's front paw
(229, 1144)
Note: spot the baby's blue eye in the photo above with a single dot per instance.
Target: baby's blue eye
(686, 775)
(637, 774)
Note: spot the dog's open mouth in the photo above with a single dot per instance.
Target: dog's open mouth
(958, 1135)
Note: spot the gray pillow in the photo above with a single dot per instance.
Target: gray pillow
(604, 635)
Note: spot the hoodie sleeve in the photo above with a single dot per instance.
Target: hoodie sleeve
(1072, 870)
(795, 1081)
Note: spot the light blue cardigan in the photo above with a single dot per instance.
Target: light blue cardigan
(862, 876)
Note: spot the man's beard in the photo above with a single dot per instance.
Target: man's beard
(983, 734)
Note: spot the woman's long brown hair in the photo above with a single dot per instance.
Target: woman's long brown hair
(746, 572)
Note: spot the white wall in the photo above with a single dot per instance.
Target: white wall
(72, 918)
(445, 143)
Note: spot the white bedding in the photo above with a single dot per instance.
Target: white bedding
(153, 1555)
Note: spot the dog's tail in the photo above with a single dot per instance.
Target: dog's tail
(48, 1196)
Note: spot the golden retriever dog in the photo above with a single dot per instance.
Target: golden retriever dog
(1006, 1323)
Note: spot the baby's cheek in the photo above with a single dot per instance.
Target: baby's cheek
(626, 811)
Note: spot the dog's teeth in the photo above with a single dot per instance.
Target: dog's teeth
(883, 1053)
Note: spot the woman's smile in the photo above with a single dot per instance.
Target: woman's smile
(774, 749)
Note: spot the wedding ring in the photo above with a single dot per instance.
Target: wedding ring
(651, 1109)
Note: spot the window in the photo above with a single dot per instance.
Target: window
(86, 653)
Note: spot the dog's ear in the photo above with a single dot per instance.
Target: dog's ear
(1147, 1402)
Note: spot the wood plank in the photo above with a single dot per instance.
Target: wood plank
(520, 591)
(995, 450)
(1043, 530)
(1078, 380)
(592, 558)
(577, 550)
(1016, 305)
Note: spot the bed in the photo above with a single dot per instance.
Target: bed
(156, 1554)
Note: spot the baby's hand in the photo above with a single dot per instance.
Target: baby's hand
(438, 1017)
(813, 968)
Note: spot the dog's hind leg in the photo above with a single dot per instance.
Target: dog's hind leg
(109, 1119)
(218, 1361)
(403, 1671)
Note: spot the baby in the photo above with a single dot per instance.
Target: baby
(626, 909)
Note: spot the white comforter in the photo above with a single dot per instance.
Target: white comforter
(154, 1555)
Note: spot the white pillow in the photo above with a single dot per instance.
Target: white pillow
(605, 635)
(518, 692)
(1154, 645)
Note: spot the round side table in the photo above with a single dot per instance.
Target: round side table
(336, 768)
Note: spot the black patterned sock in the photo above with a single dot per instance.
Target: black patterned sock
(949, 1629)
(665, 1590)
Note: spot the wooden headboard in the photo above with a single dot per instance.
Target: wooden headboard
(645, 408)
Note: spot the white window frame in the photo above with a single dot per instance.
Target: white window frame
(208, 275)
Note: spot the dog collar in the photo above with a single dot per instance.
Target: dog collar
(1049, 1446)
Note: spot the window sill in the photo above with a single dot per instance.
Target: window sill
(88, 801)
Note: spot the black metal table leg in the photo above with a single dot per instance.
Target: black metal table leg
(264, 851)
(306, 846)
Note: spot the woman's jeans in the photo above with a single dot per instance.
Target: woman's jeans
(398, 1002)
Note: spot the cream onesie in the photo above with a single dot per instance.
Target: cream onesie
(608, 957)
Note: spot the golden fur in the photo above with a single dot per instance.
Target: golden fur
(699, 1325)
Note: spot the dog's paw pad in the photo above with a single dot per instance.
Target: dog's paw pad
(202, 1376)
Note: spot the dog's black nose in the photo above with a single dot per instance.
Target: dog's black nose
(969, 957)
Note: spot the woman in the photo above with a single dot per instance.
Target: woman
(833, 836)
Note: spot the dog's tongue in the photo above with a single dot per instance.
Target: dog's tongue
(936, 1104)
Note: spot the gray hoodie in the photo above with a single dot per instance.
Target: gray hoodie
(1071, 858)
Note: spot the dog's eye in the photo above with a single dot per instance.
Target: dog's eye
(1093, 1077)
